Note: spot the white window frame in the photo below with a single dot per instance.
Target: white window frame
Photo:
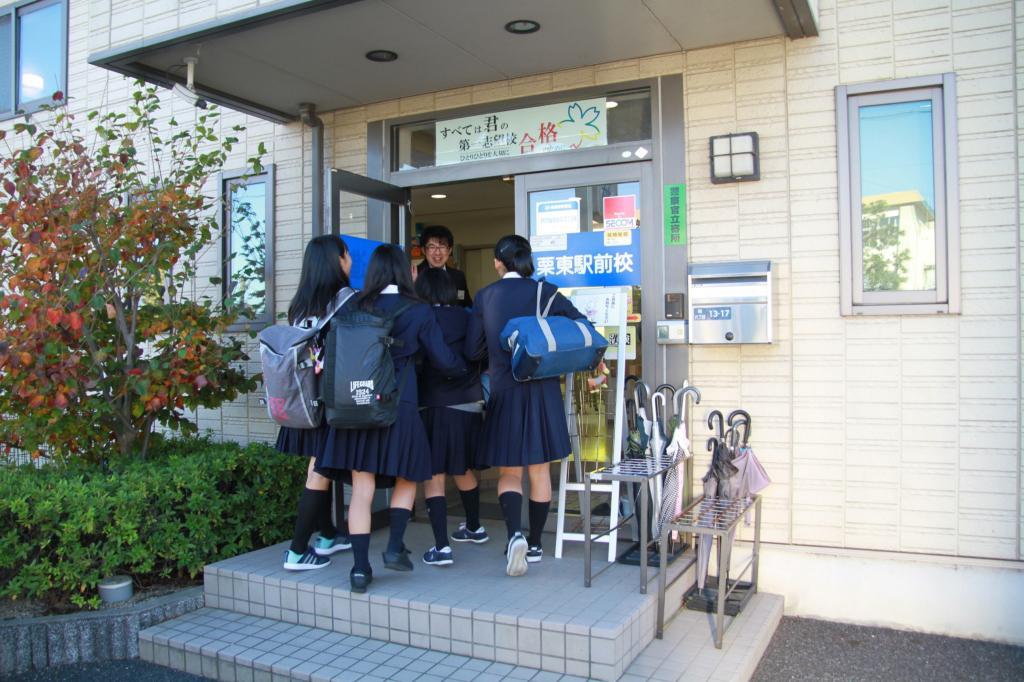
(941, 90)
(15, 10)
(229, 179)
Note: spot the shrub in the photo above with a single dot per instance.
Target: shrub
(160, 519)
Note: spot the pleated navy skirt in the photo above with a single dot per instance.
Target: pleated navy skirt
(301, 442)
(398, 450)
(454, 438)
(525, 424)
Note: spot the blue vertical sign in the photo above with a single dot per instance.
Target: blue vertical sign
(360, 249)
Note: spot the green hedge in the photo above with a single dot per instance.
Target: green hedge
(162, 519)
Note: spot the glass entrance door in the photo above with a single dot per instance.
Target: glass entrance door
(585, 227)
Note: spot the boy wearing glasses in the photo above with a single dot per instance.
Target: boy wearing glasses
(438, 241)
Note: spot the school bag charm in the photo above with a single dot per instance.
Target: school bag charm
(289, 357)
(359, 387)
(543, 347)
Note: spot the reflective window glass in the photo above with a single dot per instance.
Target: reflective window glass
(40, 51)
(247, 241)
(6, 91)
(897, 187)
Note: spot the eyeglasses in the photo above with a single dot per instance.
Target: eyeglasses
(436, 247)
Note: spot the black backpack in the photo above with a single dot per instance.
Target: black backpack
(358, 385)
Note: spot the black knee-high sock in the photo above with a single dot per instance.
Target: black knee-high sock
(538, 515)
(339, 508)
(437, 510)
(311, 506)
(399, 520)
(512, 509)
(360, 551)
(471, 503)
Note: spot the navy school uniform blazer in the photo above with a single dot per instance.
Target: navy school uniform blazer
(498, 303)
(438, 389)
(458, 279)
(417, 329)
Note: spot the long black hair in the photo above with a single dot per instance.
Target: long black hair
(321, 279)
(515, 254)
(388, 265)
(435, 286)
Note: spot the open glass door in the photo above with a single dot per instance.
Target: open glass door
(584, 225)
(364, 207)
(595, 213)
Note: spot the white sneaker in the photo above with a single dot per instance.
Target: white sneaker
(515, 561)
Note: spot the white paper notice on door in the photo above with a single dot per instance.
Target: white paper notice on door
(557, 217)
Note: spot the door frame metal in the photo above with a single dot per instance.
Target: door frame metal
(398, 199)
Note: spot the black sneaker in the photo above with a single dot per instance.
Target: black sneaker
(515, 556)
(438, 557)
(534, 554)
(360, 580)
(463, 534)
(397, 561)
(309, 561)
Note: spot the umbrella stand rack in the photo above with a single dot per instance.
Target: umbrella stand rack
(637, 471)
(718, 517)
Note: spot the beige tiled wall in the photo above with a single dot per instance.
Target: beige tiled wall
(894, 433)
(890, 433)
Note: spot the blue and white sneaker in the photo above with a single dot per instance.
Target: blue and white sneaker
(463, 534)
(515, 559)
(438, 557)
(307, 561)
(328, 546)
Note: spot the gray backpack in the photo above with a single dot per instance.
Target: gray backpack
(288, 354)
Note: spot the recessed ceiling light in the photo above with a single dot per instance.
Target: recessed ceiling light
(610, 104)
(381, 56)
(522, 26)
(438, 196)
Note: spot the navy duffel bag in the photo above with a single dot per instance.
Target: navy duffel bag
(544, 347)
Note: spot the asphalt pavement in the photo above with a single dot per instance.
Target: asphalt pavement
(809, 649)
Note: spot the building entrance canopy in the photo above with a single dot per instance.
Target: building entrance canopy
(267, 61)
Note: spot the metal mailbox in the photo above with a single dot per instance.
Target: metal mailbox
(730, 302)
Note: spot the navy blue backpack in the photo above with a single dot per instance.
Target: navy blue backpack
(543, 347)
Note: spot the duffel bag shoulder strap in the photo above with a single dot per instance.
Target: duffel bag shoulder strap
(542, 318)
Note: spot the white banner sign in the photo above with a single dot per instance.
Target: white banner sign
(507, 134)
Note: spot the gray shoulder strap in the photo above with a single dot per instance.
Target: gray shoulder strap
(340, 299)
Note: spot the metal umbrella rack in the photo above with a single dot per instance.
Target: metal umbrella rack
(731, 484)
(651, 462)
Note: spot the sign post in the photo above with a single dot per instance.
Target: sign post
(605, 307)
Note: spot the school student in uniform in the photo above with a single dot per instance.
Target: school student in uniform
(324, 279)
(438, 243)
(452, 413)
(525, 426)
(399, 451)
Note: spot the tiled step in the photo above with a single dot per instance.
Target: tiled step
(545, 620)
(225, 645)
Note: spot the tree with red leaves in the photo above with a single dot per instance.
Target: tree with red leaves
(99, 245)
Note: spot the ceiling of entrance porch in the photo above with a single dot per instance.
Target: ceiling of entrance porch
(267, 61)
